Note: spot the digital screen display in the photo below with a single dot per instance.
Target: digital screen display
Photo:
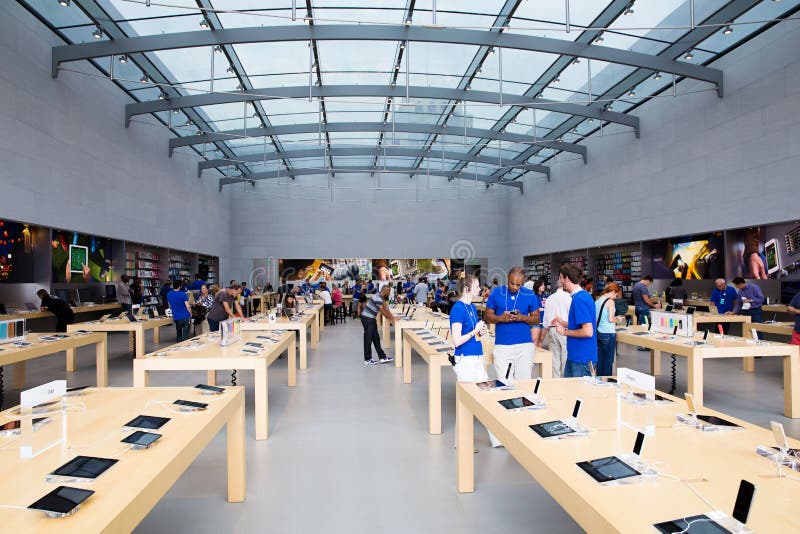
(716, 421)
(771, 253)
(552, 428)
(61, 500)
(149, 422)
(689, 258)
(84, 467)
(72, 251)
(518, 402)
(141, 438)
(608, 469)
(696, 524)
(18, 243)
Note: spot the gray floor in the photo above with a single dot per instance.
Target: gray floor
(349, 450)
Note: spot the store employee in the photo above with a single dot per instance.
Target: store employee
(57, 307)
(514, 310)
(723, 297)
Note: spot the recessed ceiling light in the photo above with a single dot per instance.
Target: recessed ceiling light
(64, 3)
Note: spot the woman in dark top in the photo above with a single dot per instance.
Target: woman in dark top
(136, 291)
(57, 307)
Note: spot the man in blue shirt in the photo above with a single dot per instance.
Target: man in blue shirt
(749, 301)
(723, 297)
(408, 287)
(181, 313)
(641, 299)
(514, 309)
(794, 309)
(198, 283)
(580, 329)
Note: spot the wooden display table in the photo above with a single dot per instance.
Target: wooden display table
(305, 323)
(729, 347)
(781, 329)
(18, 356)
(437, 359)
(77, 310)
(136, 330)
(127, 492)
(207, 355)
(423, 317)
(711, 462)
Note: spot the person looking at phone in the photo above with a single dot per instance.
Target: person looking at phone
(607, 320)
(59, 308)
(225, 302)
(580, 328)
(514, 309)
(749, 300)
(467, 330)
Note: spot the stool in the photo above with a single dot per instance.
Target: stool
(339, 314)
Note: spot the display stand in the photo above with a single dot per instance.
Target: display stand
(35, 403)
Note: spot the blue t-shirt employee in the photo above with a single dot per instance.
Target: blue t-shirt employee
(580, 329)
(514, 309)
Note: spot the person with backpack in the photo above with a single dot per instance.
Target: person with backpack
(607, 320)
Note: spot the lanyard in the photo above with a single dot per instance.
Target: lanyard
(513, 299)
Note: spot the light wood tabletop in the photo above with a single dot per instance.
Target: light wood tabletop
(127, 492)
(204, 353)
(10, 354)
(421, 317)
(718, 347)
(712, 463)
(303, 323)
(136, 330)
(39, 314)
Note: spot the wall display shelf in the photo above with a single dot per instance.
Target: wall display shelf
(180, 266)
(540, 268)
(144, 264)
(207, 269)
(625, 267)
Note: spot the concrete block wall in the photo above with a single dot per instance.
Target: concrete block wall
(702, 163)
(66, 159)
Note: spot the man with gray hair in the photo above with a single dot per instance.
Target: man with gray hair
(514, 309)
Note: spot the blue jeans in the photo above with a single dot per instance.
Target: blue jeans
(755, 314)
(641, 314)
(213, 326)
(182, 328)
(606, 345)
(575, 369)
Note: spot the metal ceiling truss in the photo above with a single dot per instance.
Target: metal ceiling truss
(289, 129)
(389, 169)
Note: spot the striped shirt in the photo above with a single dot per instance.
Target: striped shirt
(372, 307)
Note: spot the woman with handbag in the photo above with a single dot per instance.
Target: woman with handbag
(607, 328)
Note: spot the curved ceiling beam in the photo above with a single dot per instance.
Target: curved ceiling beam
(374, 32)
(455, 131)
(361, 151)
(299, 171)
(381, 91)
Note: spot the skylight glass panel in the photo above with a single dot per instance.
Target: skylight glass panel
(60, 15)
(274, 58)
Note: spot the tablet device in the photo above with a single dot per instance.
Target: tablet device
(31, 306)
(552, 429)
(61, 501)
(656, 397)
(690, 310)
(517, 402)
(491, 384)
(149, 422)
(668, 308)
(444, 349)
(13, 427)
(141, 439)
(210, 390)
(85, 467)
(696, 524)
(608, 469)
(190, 405)
(716, 421)
(434, 343)
(253, 344)
(772, 256)
(640, 333)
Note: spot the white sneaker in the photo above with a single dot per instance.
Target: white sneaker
(386, 359)
(370, 362)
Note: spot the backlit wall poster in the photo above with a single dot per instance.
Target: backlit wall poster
(17, 244)
(765, 252)
(699, 257)
(324, 269)
(399, 269)
(80, 258)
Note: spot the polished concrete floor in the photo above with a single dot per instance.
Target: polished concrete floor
(349, 450)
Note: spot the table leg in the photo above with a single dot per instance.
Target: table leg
(211, 377)
(101, 363)
(141, 377)
(314, 334)
(303, 349)
(71, 363)
(655, 362)
(18, 380)
(237, 476)
(131, 343)
(398, 343)
(291, 360)
(695, 383)
(791, 385)
(434, 398)
(748, 362)
(406, 363)
(321, 317)
(262, 414)
(465, 461)
(139, 342)
(545, 365)
(156, 335)
(385, 337)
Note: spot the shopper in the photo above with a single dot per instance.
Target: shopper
(206, 299)
(369, 315)
(123, 289)
(225, 306)
(357, 292)
(537, 330)
(440, 303)
(59, 308)
(421, 291)
(137, 295)
(336, 295)
(514, 310)
(749, 300)
(642, 302)
(327, 301)
(201, 307)
(181, 312)
(162, 294)
(198, 281)
(607, 328)
(408, 288)
(676, 291)
(467, 329)
(580, 327)
(557, 307)
(794, 309)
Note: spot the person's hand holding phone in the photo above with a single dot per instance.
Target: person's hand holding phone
(757, 267)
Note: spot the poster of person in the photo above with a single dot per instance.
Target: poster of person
(433, 269)
(319, 270)
(689, 258)
(80, 258)
(764, 252)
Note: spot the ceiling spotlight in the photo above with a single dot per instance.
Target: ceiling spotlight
(478, 71)
(728, 30)
(307, 20)
(556, 79)
(491, 50)
(64, 3)
(576, 61)
(688, 55)
(575, 130)
(632, 93)
(397, 67)
(628, 10)
(468, 87)
(162, 95)
(97, 33)
(240, 87)
(144, 79)
(123, 59)
(218, 49)
(657, 76)
(599, 38)
(229, 70)
(591, 120)
(204, 24)
(189, 122)
(175, 111)
(408, 21)
(316, 83)
(402, 46)
(394, 84)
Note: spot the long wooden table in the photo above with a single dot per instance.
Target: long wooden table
(77, 310)
(716, 462)
(727, 347)
(135, 330)
(422, 317)
(304, 323)
(9, 354)
(127, 492)
(781, 329)
(436, 359)
(204, 353)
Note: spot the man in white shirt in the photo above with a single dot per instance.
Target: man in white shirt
(327, 301)
(557, 306)
(421, 292)
(529, 283)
